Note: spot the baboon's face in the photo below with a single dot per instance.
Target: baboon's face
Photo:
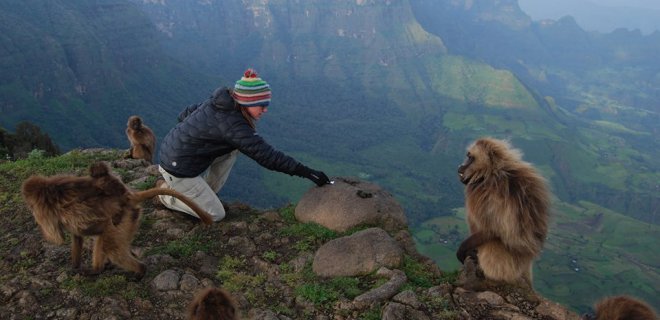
(476, 161)
(464, 173)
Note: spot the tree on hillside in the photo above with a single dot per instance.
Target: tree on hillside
(4, 151)
(28, 137)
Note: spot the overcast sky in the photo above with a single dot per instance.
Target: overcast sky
(649, 4)
(599, 15)
(645, 4)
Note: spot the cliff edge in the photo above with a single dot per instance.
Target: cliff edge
(343, 252)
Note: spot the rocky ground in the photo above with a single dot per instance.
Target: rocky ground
(274, 265)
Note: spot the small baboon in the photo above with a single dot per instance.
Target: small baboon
(212, 304)
(142, 139)
(97, 205)
(507, 203)
(621, 308)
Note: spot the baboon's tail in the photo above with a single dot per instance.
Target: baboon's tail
(140, 196)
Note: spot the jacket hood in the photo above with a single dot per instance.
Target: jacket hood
(222, 99)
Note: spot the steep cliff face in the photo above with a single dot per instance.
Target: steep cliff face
(376, 48)
(81, 67)
(303, 39)
(505, 12)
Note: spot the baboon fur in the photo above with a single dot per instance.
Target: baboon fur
(142, 139)
(622, 308)
(507, 203)
(97, 205)
(212, 304)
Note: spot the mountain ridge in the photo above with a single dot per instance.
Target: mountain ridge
(74, 61)
(602, 17)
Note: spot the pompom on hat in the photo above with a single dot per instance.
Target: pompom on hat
(251, 91)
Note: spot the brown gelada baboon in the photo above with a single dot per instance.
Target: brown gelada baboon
(97, 205)
(212, 304)
(621, 308)
(142, 139)
(507, 203)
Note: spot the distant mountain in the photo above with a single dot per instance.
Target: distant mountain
(602, 16)
(79, 69)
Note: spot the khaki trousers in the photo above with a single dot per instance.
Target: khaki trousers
(202, 189)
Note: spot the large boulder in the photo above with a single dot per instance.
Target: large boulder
(350, 202)
(359, 254)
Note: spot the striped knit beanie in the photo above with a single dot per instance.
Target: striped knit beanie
(251, 91)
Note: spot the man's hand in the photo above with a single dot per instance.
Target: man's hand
(317, 177)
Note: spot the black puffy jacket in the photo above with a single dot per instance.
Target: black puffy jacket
(211, 129)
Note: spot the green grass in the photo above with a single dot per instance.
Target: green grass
(228, 266)
(106, 285)
(74, 161)
(317, 293)
(146, 184)
(374, 313)
(233, 277)
(477, 83)
(309, 234)
(616, 127)
(243, 282)
(418, 273)
(611, 161)
(25, 262)
(183, 248)
(441, 307)
(523, 124)
(348, 286)
(329, 291)
(270, 255)
(288, 213)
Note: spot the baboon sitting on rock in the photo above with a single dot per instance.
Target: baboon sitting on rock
(507, 203)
